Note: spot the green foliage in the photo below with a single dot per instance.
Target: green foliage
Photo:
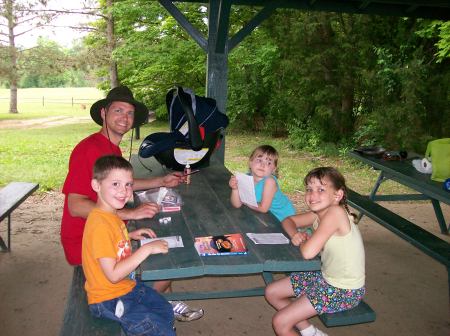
(323, 79)
(50, 65)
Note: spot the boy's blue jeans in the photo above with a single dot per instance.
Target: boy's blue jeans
(145, 312)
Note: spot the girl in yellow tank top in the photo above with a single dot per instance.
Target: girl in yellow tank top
(339, 285)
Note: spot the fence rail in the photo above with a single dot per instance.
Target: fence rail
(47, 100)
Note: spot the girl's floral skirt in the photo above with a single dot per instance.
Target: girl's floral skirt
(324, 297)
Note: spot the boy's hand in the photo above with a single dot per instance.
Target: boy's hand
(157, 246)
(299, 238)
(233, 182)
(142, 233)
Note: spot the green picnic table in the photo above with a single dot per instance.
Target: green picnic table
(404, 173)
(206, 211)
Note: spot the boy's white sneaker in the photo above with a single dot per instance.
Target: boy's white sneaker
(184, 313)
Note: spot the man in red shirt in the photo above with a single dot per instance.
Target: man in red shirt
(117, 114)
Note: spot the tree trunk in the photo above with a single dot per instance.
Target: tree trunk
(13, 59)
(113, 75)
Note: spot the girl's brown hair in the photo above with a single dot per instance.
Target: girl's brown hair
(336, 178)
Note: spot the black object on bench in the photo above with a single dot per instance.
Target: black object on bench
(78, 321)
(11, 197)
(434, 246)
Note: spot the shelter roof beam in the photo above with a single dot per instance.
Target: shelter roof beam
(251, 25)
(181, 19)
(222, 25)
(430, 9)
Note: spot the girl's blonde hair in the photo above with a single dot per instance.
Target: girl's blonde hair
(335, 177)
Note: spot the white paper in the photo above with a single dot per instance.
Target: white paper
(173, 241)
(246, 188)
(161, 194)
(268, 238)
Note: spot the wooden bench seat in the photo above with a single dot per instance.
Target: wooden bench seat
(362, 313)
(78, 321)
(428, 243)
(11, 197)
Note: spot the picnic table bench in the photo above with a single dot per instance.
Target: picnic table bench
(11, 196)
(428, 243)
(78, 320)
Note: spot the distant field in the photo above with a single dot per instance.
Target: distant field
(46, 102)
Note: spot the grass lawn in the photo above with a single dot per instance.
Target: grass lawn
(41, 154)
(48, 102)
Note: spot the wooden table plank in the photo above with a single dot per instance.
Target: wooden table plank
(12, 195)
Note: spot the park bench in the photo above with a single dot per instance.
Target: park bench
(428, 243)
(11, 197)
(78, 320)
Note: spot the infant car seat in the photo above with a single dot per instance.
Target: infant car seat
(196, 127)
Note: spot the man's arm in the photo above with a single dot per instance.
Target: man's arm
(169, 181)
(79, 205)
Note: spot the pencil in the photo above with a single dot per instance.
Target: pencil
(192, 172)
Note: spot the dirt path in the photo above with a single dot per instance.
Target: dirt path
(407, 289)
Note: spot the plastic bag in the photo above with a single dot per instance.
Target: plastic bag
(438, 152)
(169, 199)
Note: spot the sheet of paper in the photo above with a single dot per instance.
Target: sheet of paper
(246, 189)
(268, 238)
(173, 241)
(162, 193)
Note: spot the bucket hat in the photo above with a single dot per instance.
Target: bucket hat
(122, 94)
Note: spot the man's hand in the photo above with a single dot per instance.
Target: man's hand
(172, 180)
(145, 210)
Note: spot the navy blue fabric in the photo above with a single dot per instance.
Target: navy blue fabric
(206, 115)
(205, 111)
(159, 142)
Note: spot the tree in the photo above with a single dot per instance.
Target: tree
(50, 65)
(18, 15)
(152, 51)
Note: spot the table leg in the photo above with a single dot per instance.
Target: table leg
(3, 246)
(380, 180)
(268, 277)
(440, 216)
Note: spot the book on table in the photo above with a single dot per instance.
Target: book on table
(228, 244)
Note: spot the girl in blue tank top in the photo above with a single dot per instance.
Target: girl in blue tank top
(263, 165)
